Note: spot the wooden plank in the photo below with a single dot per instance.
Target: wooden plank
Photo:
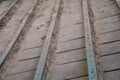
(20, 67)
(111, 48)
(29, 75)
(29, 54)
(16, 35)
(70, 56)
(103, 11)
(72, 32)
(109, 37)
(68, 71)
(113, 75)
(43, 56)
(89, 45)
(108, 24)
(111, 62)
(70, 45)
(8, 9)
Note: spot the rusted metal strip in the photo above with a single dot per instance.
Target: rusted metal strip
(43, 56)
(16, 35)
(89, 45)
(8, 9)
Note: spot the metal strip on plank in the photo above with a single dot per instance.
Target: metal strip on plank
(8, 9)
(118, 3)
(15, 36)
(43, 56)
(92, 71)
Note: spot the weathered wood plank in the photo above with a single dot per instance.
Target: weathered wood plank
(70, 45)
(70, 56)
(68, 71)
(114, 75)
(21, 76)
(111, 62)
